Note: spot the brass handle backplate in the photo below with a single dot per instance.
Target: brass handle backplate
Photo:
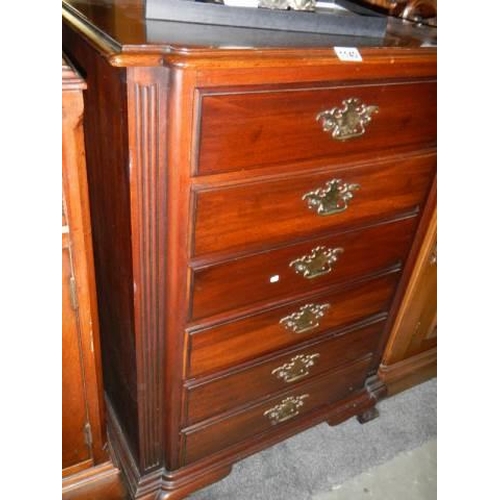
(305, 319)
(288, 408)
(297, 368)
(332, 199)
(317, 263)
(349, 121)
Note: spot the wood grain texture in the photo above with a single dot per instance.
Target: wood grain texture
(87, 470)
(315, 66)
(269, 276)
(72, 80)
(408, 372)
(244, 130)
(82, 385)
(147, 102)
(233, 342)
(178, 483)
(178, 210)
(416, 321)
(386, 189)
(223, 391)
(252, 421)
(102, 482)
(411, 350)
(108, 179)
(75, 449)
(411, 260)
(173, 242)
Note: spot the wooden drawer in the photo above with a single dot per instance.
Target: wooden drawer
(259, 214)
(231, 343)
(254, 129)
(299, 268)
(208, 438)
(223, 392)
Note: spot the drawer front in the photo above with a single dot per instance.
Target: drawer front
(225, 392)
(253, 215)
(289, 406)
(299, 268)
(245, 130)
(231, 343)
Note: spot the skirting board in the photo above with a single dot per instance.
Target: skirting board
(409, 372)
(101, 482)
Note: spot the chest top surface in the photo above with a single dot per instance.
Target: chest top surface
(124, 34)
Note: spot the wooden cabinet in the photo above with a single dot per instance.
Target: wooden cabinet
(256, 214)
(86, 469)
(411, 353)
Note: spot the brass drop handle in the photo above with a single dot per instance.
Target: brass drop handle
(296, 369)
(305, 319)
(318, 262)
(332, 199)
(349, 121)
(287, 409)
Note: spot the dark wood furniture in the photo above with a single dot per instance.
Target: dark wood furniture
(256, 214)
(410, 357)
(420, 11)
(86, 468)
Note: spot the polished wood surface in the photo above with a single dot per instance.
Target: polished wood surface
(82, 392)
(240, 340)
(250, 129)
(120, 31)
(419, 11)
(100, 482)
(334, 386)
(75, 449)
(386, 190)
(83, 433)
(186, 230)
(421, 304)
(269, 276)
(220, 393)
(105, 104)
(411, 353)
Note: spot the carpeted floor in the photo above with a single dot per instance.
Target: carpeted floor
(319, 458)
(410, 475)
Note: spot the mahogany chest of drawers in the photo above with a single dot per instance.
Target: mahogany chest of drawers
(256, 214)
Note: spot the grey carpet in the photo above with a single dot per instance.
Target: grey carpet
(319, 458)
(410, 475)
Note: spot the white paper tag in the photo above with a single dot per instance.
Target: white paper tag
(348, 53)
